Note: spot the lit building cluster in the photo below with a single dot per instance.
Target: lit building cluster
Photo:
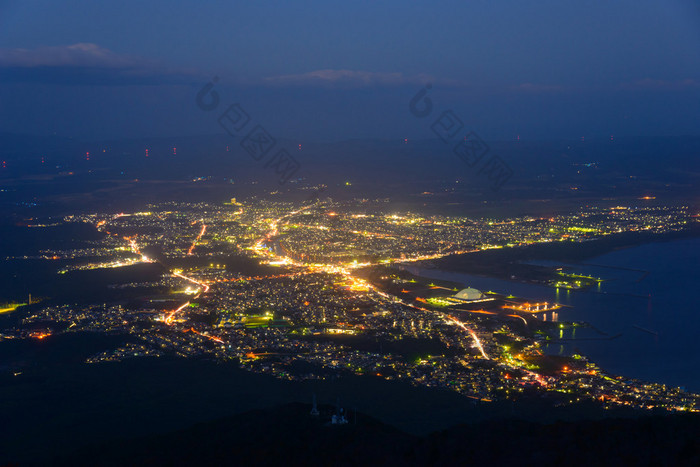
(279, 288)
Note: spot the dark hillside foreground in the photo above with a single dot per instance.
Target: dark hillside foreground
(289, 435)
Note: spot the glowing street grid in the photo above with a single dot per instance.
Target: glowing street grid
(324, 296)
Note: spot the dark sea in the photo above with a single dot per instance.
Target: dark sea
(648, 297)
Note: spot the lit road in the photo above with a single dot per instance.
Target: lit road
(194, 243)
(356, 283)
(169, 318)
(205, 288)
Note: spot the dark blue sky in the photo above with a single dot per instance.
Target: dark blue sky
(334, 70)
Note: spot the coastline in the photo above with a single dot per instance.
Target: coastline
(623, 306)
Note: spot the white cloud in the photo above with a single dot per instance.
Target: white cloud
(84, 63)
(538, 88)
(347, 78)
(76, 55)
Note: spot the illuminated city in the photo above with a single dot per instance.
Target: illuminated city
(326, 290)
(324, 233)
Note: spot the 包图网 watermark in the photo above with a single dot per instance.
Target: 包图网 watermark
(470, 148)
(257, 142)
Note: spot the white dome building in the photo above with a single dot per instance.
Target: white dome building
(469, 294)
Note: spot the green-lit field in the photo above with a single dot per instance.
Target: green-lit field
(256, 321)
(10, 307)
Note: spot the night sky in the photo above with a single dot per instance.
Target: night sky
(324, 70)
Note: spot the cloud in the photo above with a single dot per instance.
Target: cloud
(84, 63)
(350, 78)
(676, 85)
(537, 88)
(76, 55)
